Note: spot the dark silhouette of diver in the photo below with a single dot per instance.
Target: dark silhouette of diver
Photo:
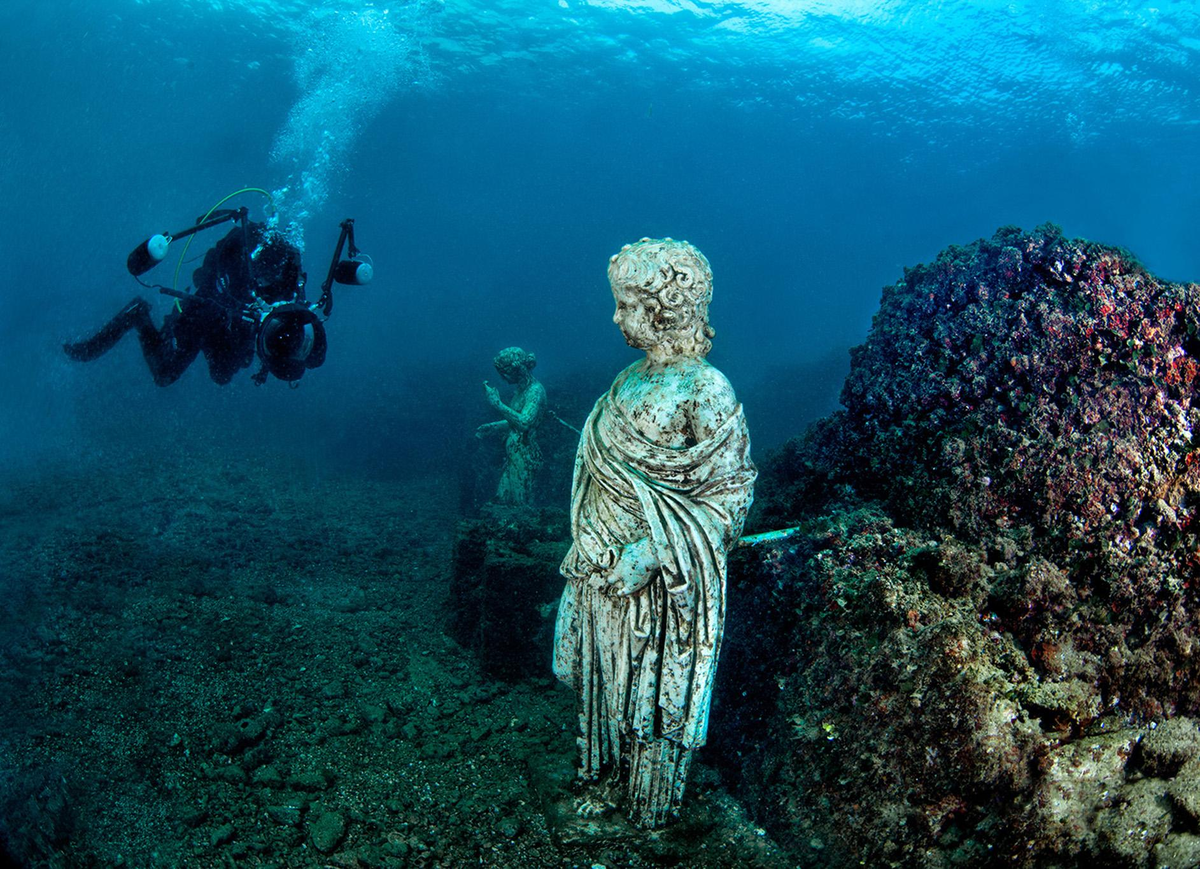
(250, 268)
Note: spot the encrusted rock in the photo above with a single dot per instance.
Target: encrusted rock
(267, 776)
(222, 835)
(1138, 820)
(288, 814)
(327, 830)
(1077, 780)
(1169, 745)
(310, 780)
(1178, 851)
(994, 594)
(1184, 790)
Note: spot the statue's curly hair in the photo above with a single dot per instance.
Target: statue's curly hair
(676, 279)
(510, 360)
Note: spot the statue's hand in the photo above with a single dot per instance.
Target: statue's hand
(635, 568)
(493, 394)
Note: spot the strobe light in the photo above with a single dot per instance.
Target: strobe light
(353, 272)
(148, 254)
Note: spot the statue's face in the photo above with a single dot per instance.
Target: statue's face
(635, 318)
(510, 373)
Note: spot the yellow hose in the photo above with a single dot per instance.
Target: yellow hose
(183, 256)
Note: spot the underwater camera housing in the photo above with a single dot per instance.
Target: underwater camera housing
(291, 336)
(290, 340)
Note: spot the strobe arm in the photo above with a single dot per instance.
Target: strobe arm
(153, 250)
(348, 271)
(218, 218)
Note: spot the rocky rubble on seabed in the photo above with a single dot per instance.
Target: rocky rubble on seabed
(216, 661)
(986, 634)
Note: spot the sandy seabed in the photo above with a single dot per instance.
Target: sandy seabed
(216, 661)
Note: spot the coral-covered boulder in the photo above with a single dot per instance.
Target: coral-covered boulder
(1033, 380)
(993, 603)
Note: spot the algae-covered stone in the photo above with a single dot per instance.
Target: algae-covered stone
(1019, 439)
(334, 690)
(237, 737)
(287, 814)
(1076, 781)
(267, 776)
(232, 773)
(1184, 789)
(371, 713)
(327, 831)
(509, 827)
(222, 835)
(194, 817)
(1169, 745)
(309, 781)
(1178, 851)
(496, 584)
(1140, 818)
(1062, 704)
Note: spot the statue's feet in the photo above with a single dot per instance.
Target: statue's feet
(598, 799)
(593, 807)
(588, 812)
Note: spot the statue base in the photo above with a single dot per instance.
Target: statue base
(561, 793)
(505, 586)
(711, 823)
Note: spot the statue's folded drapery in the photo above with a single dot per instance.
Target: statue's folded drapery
(644, 662)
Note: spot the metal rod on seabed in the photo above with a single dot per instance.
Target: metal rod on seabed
(767, 536)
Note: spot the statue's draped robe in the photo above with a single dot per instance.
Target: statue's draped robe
(643, 664)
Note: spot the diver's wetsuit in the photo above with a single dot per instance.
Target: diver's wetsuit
(210, 322)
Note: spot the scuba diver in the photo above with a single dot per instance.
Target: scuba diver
(248, 302)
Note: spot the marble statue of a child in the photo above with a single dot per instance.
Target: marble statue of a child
(663, 481)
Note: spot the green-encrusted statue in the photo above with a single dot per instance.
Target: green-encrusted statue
(522, 415)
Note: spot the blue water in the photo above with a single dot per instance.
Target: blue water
(495, 154)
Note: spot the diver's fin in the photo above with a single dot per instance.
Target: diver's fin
(133, 314)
